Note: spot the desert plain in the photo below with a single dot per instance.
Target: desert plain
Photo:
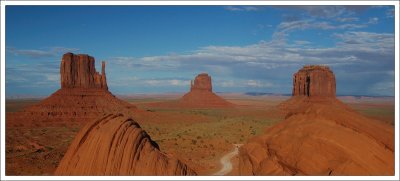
(199, 137)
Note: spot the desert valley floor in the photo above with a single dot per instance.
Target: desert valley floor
(198, 137)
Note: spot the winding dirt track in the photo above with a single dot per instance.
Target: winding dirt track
(226, 161)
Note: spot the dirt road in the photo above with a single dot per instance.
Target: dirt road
(226, 161)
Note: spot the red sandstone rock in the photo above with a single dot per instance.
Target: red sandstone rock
(83, 95)
(314, 80)
(320, 136)
(77, 104)
(78, 71)
(201, 82)
(201, 94)
(116, 145)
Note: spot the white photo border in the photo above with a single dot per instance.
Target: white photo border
(2, 112)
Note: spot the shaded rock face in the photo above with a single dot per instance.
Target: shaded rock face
(314, 80)
(201, 95)
(116, 145)
(320, 136)
(78, 71)
(201, 82)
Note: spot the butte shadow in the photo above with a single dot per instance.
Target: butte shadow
(320, 135)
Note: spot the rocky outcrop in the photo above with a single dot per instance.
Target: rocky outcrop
(83, 95)
(116, 145)
(320, 136)
(78, 71)
(201, 95)
(314, 80)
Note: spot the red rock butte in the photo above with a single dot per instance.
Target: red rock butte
(83, 94)
(314, 80)
(201, 95)
(78, 71)
(201, 82)
(320, 136)
(116, 145)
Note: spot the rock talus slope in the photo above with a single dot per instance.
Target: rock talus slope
(116, 145)
(320, 136)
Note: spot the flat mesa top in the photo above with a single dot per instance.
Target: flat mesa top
(315, 67)
(203, 74)
(79, 55)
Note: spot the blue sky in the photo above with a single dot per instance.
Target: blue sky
(157, 49)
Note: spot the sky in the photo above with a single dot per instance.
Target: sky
(159, 49)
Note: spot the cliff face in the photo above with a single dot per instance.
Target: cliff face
(78, 71)
(320, 136)
(201, 94)
(314, 80)
(116, 145)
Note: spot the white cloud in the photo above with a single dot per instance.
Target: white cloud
(244, 83)
(390, 13)
(138, 82)
(160, 83)
(382, 88)
(242, 8)
(49, 52)
(302, 42)
(328, 11)
(52, 77)
(373, 20)
(289, 26)
(255, 83)
(347, 19)
(270, 55)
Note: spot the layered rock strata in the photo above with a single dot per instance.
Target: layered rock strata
(116, 145)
